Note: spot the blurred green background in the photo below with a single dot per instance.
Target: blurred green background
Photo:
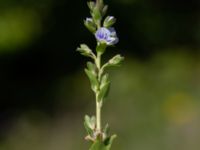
(154, 98)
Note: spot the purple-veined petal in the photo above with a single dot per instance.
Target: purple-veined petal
(108, 36)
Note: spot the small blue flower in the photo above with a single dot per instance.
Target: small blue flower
(108, 36)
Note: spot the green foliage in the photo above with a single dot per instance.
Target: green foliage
(93, 79)
(19, 26)
(104, 87)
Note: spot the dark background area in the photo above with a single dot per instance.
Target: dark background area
(40, 51)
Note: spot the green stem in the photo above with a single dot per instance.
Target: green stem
(98, 102)
(98, 62)
(98, 115)
(99, 3)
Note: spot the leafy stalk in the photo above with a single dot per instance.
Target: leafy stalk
(101, 26)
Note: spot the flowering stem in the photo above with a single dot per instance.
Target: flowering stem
(106, 36)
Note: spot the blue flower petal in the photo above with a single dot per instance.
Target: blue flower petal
(108, 36)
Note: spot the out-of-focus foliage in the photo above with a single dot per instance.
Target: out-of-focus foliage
(21, 23)
(17, 28)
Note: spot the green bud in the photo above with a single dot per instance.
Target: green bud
(90, 25)
(116, 60)
(104, 10)
(91, 5)
(109, 21)
(96, 14)
(85, 50)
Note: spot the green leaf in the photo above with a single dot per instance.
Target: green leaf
(106, 129)
(88, 125)
(93, 79)
(104, 79)
(104, 91)
(104, 87)
(98, 145)
(90, 122)
(91, 66)
(108, 142)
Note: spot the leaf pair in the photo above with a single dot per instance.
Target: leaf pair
(90, 125)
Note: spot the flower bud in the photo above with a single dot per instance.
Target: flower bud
(96, 14)
(91, 5)
(90, 25)
(104, 10)
(109, 21)
(116, 60)
(85, 50)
